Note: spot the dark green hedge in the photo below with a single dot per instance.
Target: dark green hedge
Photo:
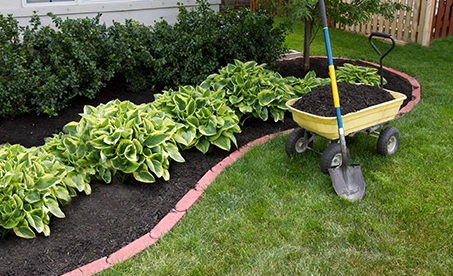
(44, 67)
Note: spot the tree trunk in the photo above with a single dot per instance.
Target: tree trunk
(308, 28)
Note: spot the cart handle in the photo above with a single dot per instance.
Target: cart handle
(383, 35)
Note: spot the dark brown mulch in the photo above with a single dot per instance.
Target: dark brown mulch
(118, 213)
(352, 98)
(294, 67)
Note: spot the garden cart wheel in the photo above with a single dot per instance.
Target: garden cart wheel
(298, 141)
(332, 157)
(388, 141)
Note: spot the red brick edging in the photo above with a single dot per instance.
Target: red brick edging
(193, 195)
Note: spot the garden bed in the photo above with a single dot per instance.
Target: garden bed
(117, 213)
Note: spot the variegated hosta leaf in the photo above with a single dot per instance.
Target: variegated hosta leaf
(249, 87)
(201, 111)
(186, 136)
(117, 134)
(358, 74)
(143, 174)
(36, 186)
(23, 230)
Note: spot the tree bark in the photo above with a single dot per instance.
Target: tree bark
(308, 29)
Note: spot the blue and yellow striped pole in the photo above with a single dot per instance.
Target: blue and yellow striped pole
(347, 180)
(333, 82)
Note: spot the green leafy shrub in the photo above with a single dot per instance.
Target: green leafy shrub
(72, 59)
(200, 42)
(191, 44)
(13, 72)
(119, 137)
(250, 89)
(212, 40)
(33, 183)
(86, 43)
(358, 74)
(49, 66)
(45, 67)
(136, 46)
(207, 119)
(247, 35)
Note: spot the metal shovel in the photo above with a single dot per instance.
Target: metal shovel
(347, 180)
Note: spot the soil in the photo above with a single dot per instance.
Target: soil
(117, 213)
(294, 67)
(352, 98)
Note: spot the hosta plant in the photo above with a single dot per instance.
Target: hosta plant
(305, 85)
(250, 89)
(120, 137)
(206, 118)
(33, 185)
(358, 74)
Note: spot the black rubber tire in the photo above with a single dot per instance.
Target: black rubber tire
(295, 142)
(388, 141)
(332, 157)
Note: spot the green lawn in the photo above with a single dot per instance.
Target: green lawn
(269, 214)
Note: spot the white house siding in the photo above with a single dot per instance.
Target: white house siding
(144, 11)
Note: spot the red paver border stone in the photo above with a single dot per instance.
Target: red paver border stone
(131, 249)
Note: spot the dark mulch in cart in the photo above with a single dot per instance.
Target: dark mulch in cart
(294, 67)
(352, 98)
(116, 214)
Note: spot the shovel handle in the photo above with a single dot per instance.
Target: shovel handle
(333, 82)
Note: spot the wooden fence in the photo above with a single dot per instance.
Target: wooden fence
(428, 19)
(412, 26)
(443, 19)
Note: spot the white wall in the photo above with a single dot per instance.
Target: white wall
(145, 11)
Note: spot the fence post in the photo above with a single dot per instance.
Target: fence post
(253, 5)
(426, 22)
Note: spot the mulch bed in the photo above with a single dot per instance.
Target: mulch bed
(116, 214)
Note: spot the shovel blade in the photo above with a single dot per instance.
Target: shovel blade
(348, 181)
